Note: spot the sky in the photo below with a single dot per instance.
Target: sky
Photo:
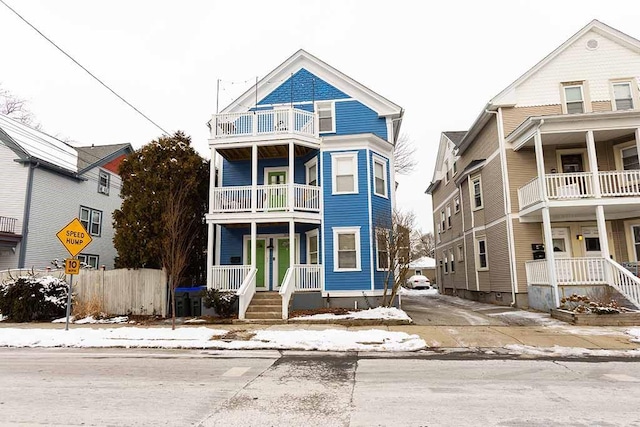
(440, 61)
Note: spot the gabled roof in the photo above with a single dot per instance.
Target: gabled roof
(455, 136)
(29, 143)
(302, 59)
(95, 155)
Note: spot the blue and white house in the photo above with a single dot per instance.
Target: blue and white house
(305, 174)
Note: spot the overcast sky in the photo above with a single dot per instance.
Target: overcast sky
(441, 61)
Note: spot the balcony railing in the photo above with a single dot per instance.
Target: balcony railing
(269, 198)
(265, 122)
(569, 271)
(8, 225)
(568, 186)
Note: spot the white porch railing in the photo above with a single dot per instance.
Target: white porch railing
(268, 198)
(287, 288)
(264, 122)
(246, 292)
(308, 277)
(579, 185)
(624, 282)
(228, 277)
(537, 273)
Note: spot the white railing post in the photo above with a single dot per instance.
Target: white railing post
(254, 177)
(245, 293)
(593, 164)
(290, 194)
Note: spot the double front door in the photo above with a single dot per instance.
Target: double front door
(272, 260)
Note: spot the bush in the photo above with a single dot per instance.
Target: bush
(222, 302)
(583, 304)
(89, 307)
(30, 298)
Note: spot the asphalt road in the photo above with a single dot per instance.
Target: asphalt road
(120, 387)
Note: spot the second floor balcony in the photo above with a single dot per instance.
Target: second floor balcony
(8, 225)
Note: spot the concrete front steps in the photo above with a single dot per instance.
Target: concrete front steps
(265, 306)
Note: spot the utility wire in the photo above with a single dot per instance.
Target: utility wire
(87, 71)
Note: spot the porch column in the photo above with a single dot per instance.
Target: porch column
(638, 142)
(550, 256)
(254, 178)
(209, 253)
(593, 164)
(292, 243)
(602, 232)
(537, 139)
(290, 190)
(254, 232)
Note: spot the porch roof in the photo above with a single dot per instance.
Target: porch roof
(264, 152)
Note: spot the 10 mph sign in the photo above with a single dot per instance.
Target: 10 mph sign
(74, 237)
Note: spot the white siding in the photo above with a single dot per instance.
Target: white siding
(56, 200)
(13, 187)
(596, 67)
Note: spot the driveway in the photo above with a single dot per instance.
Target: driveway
(445, 310)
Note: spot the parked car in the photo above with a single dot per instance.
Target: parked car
(418, 281)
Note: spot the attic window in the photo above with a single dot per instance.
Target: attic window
(592, 44)
(326, 116)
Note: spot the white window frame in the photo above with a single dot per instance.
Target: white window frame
(472, 192)
(324, 106)
(90, 220)
(452, 261)
(456, 204)
(310, 234)
(443, 221)
(354, 162)
(486, 253)
(618, 149)
(460, 253)
(445, 261)
(448, 210)
(87, 258)
(346, 230)
(104, 189)
(565, 104)
(381, 161)
(446, 172)
(378, 268)
(614, 101)
(307, 166)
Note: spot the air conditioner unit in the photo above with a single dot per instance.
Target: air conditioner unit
(103, 189)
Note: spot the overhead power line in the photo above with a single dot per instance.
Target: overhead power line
(87, 71)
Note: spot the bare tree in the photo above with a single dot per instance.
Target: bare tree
(180, 232)
(394, 248)
(422, 244)
(404, 154)
(16, 108)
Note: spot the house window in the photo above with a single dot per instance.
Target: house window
(574, 100)
(419, 272)
(635, 231)
(455, 167)
(326, 117)
(344, 167)
(90, 261)
(91, 219)
(382, 249)
(103, 182)
(445, 263)
(481, 246)
(460, 253)
(311, 172)
(443, 223)
(623, 96)
(452, 261)
(456, 204)
(346, 244)
(380, 177)
(476, 192)
(446, 172)
(448, 216)
(630, 158)
(312, 247)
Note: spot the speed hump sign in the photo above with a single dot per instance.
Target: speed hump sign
(71, 266)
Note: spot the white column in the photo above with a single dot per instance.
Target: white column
(593, 163)
(602, 232)
(210, 246)
(254, 177)
(212, 177)
(537, 139)
(292, 243)
(548, 250)
(638, 141)
(290, 189)
(254, 232)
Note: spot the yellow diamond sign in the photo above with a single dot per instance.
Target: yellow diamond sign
(74, 237)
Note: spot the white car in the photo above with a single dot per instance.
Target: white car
(418, 281)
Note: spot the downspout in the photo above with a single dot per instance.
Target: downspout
(25, 216)
(507, 204)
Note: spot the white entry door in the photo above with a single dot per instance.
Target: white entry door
(562, 251)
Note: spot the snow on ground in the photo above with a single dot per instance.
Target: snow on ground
(558, 351)
(635, 333)
(418, 292)
(202, 338)
(2, 318)
(372, 313)
(532, 316)
(92, 320)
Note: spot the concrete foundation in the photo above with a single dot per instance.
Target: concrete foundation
(541, 296)
(497, 298)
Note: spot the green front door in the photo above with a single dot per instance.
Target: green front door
(283, 258)
(261, 273)
(277, 197)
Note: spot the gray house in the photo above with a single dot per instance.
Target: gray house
(44, 184)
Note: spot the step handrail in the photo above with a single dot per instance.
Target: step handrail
(624, 282)
(287, 288)
(246, 292)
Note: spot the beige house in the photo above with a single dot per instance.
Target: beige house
(540, 198)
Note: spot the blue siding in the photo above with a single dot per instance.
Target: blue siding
(239, 172)
(347, 210)
(354, 117)
(302, 86)
(380, 215)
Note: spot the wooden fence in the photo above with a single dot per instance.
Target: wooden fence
(123, 291)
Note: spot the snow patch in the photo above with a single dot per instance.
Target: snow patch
(635, 333)
(92, 320)
(418, 292)
(558, 351)
(390, 313)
